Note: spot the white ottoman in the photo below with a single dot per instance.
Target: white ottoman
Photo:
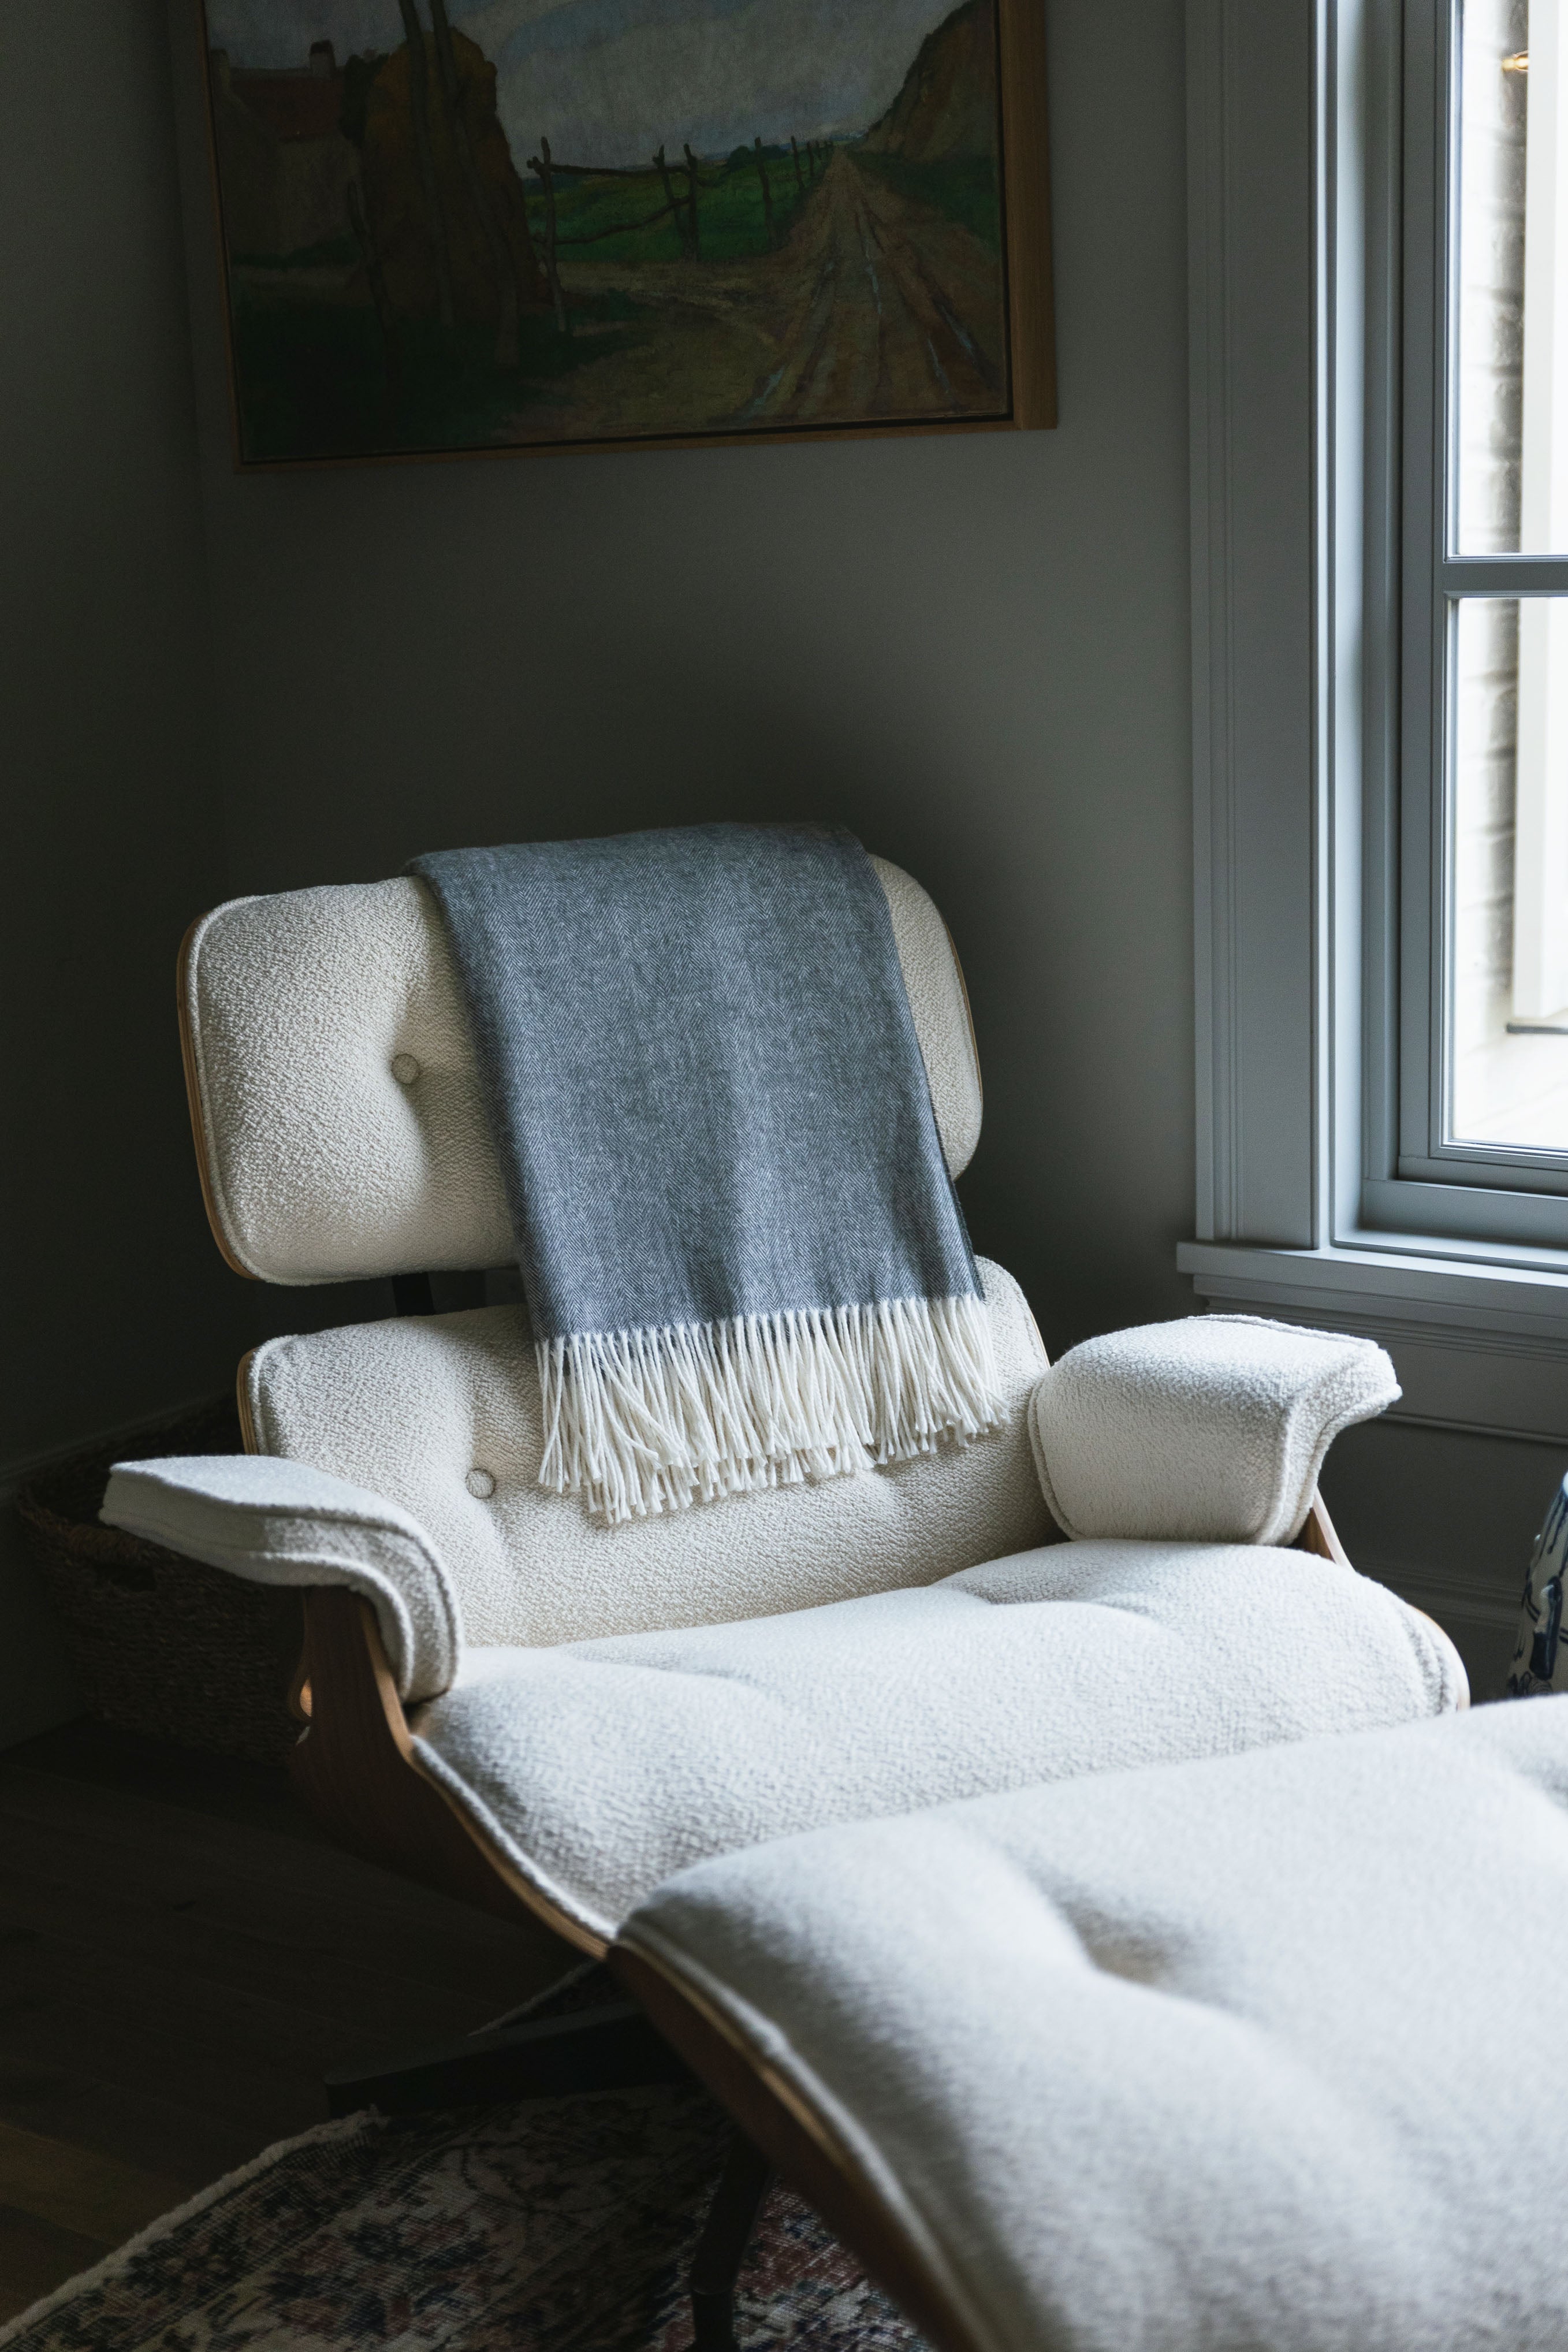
(1256, 2055)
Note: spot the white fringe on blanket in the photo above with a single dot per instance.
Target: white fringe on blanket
(638, 1422)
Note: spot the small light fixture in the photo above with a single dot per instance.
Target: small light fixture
(1517, 63)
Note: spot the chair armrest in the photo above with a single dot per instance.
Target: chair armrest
(1212, 1429)
(277, 1522)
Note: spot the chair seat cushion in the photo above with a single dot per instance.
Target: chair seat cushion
(1258, 2053)
(600, 1768)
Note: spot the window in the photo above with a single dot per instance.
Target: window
(1378, 273)
(1483, 739)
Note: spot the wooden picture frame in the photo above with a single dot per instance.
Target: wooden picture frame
(402, 284)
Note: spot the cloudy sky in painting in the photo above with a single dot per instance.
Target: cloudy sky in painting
(608, 80)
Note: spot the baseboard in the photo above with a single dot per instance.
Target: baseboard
(1480, 1617)
(1470, 1600)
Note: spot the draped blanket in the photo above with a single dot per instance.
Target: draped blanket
(741, 1251)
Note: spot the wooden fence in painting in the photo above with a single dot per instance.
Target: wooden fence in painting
(680, 205)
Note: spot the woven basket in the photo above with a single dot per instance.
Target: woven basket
(163, 1645)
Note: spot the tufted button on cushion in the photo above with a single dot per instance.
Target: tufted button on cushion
(480, 1484)
(404, 1069)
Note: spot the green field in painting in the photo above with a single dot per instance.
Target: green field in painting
(316, 383)
(318, 380)
(315, 376)
(731, 219)
(964, 189)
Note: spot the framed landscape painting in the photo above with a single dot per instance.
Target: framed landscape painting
(453, 226)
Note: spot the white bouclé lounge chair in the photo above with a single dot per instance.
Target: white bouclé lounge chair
(513, 1702)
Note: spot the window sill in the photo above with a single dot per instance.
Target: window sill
(1479, 1346)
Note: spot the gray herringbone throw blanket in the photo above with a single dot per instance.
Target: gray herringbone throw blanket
(741, 1248)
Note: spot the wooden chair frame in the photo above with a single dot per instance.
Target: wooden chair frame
(802, 2145)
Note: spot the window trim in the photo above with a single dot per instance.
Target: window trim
(1294, 173)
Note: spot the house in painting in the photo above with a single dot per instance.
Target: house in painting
(284, 162)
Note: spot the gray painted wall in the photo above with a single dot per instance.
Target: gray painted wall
(973, 651)
(113, 810)
(1449, 1519)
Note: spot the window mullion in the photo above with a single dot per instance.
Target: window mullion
(1503, 575)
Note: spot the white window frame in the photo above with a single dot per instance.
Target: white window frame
(1307, 1209)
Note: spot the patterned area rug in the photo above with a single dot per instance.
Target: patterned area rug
(543, 2227)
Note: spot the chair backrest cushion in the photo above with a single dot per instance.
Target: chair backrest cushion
(334, 1095)
(441, 1414)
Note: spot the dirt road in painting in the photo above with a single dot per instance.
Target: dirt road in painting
(875, 306)
(874, 333)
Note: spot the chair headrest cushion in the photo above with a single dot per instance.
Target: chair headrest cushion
(334, 1097)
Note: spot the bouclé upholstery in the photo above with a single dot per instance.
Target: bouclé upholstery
(603, 1767)
(1249, 2055)
(286, 1523)
(1213, 1427)
(418, 1408)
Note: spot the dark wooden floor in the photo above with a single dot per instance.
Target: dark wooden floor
(182, 1956)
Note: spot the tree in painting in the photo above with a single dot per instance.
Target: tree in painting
(461, 223)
